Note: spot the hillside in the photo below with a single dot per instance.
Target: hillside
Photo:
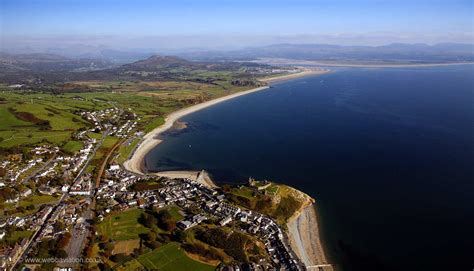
(48, 71)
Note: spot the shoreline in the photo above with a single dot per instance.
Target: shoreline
(286, 77)
(136, 162)
(304, 239)
(303, 230)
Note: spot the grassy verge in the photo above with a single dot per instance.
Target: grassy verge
(123, 226)
(171, 257)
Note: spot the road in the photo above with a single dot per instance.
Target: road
(36, 233)
(25, 180)
(83, 169)
(81, 231)
(79, 234)
(65, 195)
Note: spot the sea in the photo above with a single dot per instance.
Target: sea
(388, 154)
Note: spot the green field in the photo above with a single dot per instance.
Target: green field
(130, 265)
(171, 257)
(57, 110)
(126, 150)
(8, 120)
(174, 211)
(106, 146)
(244, 191)
(12, 138)
(123, 226)
(151, 101)
(16, 236)
(73, 146)
(155, 122)
(38, 200)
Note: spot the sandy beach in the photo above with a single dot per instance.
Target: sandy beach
(305, 72)
(136, 162)
(302, 228)
(303, 235)
(198, 176)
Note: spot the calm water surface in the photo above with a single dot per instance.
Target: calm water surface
(387, 153)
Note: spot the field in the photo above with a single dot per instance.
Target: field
(174, 211)
(73, 146)
(38, 200)
(12, 138)
(126, 149)
(28, 118)
(16, 236)
(277, 200)
(131, 265)
(245, 192)
(123, 226)
(8, 120)
(108, 143)
(126, 247)
(171, 257)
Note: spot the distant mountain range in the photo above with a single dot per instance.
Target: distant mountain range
(395, 52)
(56, 67)
(50, 68)
(392, 53)
(39, 62)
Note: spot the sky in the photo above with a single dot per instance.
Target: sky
(225, 23)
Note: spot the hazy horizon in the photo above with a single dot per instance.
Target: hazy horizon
(28, 25)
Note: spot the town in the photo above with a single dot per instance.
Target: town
(55, 195)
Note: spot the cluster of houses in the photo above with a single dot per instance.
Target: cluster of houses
(11, 255)
(115, 191)
(84, 153)
(82, 186)
(124, 130)
(186, 193)
(15, 169)
(97, 117)
(60, 164)
(51, 165)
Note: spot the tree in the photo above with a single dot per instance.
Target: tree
(61, 253)
(151, 236)
(180, 236)
(120, 257)
(62, 243)
(166, 221)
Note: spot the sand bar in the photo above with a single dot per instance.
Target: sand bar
(303, 73)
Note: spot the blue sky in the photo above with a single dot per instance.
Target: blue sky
(402, 19)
